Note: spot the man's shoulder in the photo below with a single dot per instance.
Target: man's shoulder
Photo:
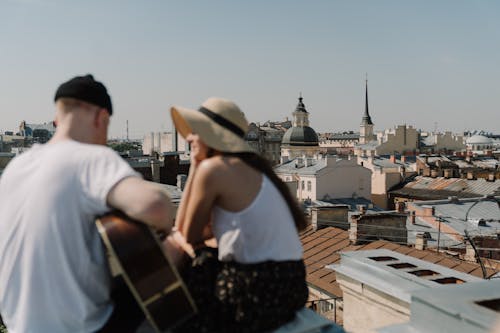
(86, 149)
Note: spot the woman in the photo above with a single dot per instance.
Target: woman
(255, 280)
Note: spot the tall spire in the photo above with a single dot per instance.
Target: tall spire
(367, 120)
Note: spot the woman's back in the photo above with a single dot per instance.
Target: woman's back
(251, 220)
(239, 182)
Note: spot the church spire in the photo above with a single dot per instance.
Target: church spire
(367, 120)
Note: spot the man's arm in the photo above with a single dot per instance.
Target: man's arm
(143, 201)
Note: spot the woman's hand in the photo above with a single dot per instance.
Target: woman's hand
(199, 150)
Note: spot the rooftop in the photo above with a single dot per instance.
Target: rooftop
(476, 215)
(385, 162)
(323, 247)
(442, 188)
(396, 274)
(296, 167)
(470, 307)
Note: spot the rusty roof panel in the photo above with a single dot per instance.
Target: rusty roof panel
(442, 186)
(466, 267)
(447, 262)
(371, 246)
(417, 254)
(404, 249)
(322, 248)
(431, 257)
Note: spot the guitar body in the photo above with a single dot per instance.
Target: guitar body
(136, 253)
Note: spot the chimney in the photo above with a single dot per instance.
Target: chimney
(420, 241)
(412, 217)
(470, 254)
(448, 173)
(361, 209)
(491, 177)
(403, 159)
(434, 173)
(400, 206)
(353, 229)
(427, 211)
(470, 175)
(392, 159)
(314, 218)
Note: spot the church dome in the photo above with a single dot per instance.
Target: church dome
(300, 136)
(478, 140)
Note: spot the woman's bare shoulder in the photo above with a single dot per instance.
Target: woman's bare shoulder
(222, 166)
(213, 166)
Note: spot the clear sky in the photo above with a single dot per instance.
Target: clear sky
(430, 64)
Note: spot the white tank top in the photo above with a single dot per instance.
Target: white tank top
(265, 230)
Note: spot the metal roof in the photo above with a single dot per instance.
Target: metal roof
(323, 247)
(290, 167)
(441, 188)
(343, 136)
(464, 214)
(452, 308)
(394, 273)
(369, 145)
(384, 162)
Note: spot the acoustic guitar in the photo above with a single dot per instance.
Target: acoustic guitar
(136, 254)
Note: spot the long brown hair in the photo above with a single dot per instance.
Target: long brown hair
(261, 164)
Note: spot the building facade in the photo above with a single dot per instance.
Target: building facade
(325, 177)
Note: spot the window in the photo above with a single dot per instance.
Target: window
(302, 184)
(309, 185)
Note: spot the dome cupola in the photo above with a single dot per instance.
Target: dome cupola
(300, 134)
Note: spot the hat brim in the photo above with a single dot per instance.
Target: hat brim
(215, 136)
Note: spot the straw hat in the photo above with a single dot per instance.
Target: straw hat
(219, 123)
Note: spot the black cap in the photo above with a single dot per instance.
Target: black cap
(85, 88)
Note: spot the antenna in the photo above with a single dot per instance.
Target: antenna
(127, 131)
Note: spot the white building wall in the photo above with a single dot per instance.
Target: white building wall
(343, 180)
(162, 143)
(307, 192)
(339, 179)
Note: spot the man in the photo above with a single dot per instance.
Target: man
(53, 271)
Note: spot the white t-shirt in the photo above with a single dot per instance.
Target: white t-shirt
(265, 230)
(53, 272)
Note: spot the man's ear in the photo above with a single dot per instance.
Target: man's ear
(101, 118)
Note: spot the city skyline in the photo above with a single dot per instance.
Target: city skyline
(431, 65)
